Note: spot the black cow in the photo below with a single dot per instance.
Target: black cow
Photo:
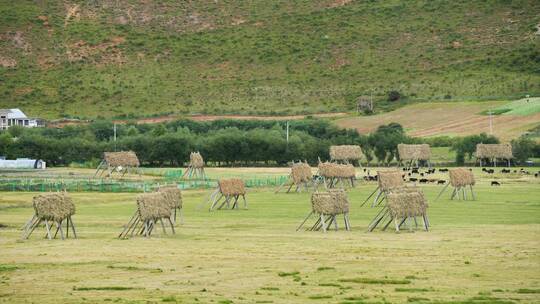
(412, 179)
(494, 183)
(423, 181)
(441, 182)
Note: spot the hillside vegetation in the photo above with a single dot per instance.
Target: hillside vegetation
(130, 58)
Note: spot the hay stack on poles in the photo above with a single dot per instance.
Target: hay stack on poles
(51, 208)
(494, 152)
(346, 153)
(301, 177)
(173, 196)
(403, 203)
(195, 167)
(121, 162)
(228, 190)
(460, 180)
(332, 175)
(152, 207)
(327, 206)
(410, 155)
(387, 180)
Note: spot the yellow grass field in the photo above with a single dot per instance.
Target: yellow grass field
(486, 251)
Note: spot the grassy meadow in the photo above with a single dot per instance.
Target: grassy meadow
(486, 251)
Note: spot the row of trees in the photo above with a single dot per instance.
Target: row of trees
(223, 142)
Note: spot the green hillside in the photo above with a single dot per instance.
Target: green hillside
(115, 58)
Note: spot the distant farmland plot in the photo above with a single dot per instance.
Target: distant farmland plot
(452, 118)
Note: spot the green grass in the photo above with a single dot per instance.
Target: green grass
(255, 57)
(207, 262)
(522, 107)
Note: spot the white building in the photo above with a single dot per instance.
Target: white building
(21, 163)
(16, 117)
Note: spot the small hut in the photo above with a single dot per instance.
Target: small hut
(387, 181)
(332, 175)
(494, 152)
(460, 180)
(410, 155)
(327, 206)
(121, 162)
(228, 190)
(51, 208)
(151, 208)
(346, 153)
(403, 203)
(196, 166)
(300, 176)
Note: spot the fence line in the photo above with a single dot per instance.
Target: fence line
(47, 185)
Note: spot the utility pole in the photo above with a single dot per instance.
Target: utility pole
(490, 122)
(114, 137)
(287, 133)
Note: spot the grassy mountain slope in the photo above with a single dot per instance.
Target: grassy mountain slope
(114, 58)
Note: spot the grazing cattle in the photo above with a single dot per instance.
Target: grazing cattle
(494, 183)
(422, 174)
(442, 170)
(441, 182)
(365, 169)
(536, 175)
(423, 181)
(505, 171)
(409, 174)
(414, 171)
(412, 179)
(490, 171)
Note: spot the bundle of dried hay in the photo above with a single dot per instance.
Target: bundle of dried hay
(301, 173)
(232, 186)
(332, 202)
(346, 152)
(121, 159)
(332, 170)
(228, 191)
(414, 152)
(172, 195)
(406, 202)
(461, 177)
(196, 160)
(153, 206)
(492, 151)
(53, 206)
(389, 180)
(327, 205)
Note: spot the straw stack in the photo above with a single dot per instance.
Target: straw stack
(332, 202)
(153, 206)
(301, 173)
(492, 151)
(346, 152)
(406, 202)
(232, 186)
(121, 159)
(414, 152)
(172, 195)
(53, 206)
(196, 160)
(332, 170)
(389, 180)
(461, 177)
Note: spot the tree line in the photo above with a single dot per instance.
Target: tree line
(224, 142)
